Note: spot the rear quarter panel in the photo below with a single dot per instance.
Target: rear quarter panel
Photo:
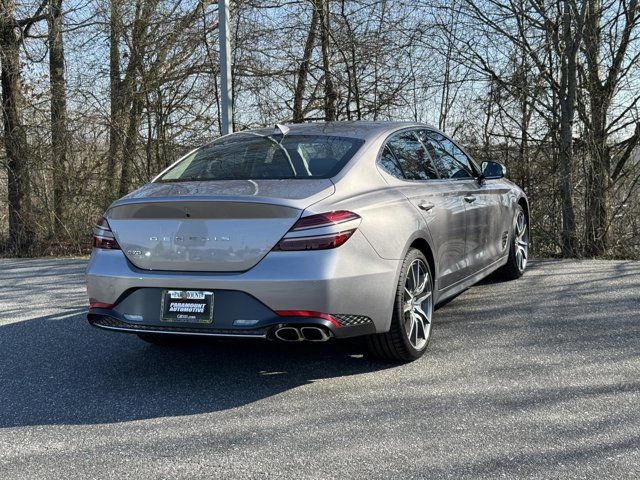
(389, 221)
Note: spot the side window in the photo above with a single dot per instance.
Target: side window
(389, 163)
(458, 154)
(450, 161)
(412, 157)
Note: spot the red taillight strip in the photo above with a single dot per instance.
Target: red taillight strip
(307, 313)
(324, 220)
(319, 242)
(321, 224)
(100, 305)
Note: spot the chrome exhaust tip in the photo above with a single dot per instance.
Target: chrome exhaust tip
(314, 334)
(289, 334)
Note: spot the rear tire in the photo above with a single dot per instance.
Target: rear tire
(161, 339)
(519, 248)
(410, 331)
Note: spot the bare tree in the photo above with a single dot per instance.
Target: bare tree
(59, 134)
(568, 46)
(330, 94)
(561, 24)
(305, 66)
(12, 33)
(602, 78)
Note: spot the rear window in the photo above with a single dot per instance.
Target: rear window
(249, 156)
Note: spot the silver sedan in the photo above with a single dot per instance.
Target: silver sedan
(305, 233)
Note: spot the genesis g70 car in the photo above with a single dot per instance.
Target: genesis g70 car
(305, 233)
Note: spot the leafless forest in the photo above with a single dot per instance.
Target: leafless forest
(98, 96)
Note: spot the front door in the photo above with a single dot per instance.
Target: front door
(482, 202)
(487, 231)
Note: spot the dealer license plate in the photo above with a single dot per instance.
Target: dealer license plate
(187, 306)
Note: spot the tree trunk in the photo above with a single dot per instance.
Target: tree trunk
(601, 87)
(132, 91)
(127, 100)
(129, 152)
(116, 119)
(59, 133)
(446, 82)
(330, 94)
(378, 47)
(568, 89)
(15, 137)
(598, 177)
(303, 70)
(354, 75)
(351, 66)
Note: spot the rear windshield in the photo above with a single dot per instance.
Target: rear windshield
(249, 156)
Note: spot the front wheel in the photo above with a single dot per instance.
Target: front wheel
(519, 248)
(410, 331)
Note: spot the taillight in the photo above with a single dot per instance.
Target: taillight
(324, 220)
(103, 236)
(322, 240)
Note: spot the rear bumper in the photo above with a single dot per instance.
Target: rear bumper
(110, 320)
(351, 282)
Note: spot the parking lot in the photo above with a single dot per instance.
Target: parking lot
(539, 378)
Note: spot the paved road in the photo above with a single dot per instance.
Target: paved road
(537, 378)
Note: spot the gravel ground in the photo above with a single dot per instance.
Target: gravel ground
(535, 378)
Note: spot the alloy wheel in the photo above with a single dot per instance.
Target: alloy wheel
(522, 241)
(418, 304)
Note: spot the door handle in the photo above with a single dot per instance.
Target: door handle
(470, 199)
(426, 206)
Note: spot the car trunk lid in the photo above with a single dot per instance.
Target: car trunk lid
(220, 226)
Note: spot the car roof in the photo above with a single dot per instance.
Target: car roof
(364, 130)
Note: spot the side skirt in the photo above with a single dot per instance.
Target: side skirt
(456, 288)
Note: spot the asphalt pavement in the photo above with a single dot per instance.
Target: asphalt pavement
(536, 378)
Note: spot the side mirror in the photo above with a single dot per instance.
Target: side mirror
(493, 170)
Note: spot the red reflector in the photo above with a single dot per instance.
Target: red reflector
(307, 313)
(100, 305)
(320, 242)
(324, 220)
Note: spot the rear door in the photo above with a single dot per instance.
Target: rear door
(439, 201)
(482, 201)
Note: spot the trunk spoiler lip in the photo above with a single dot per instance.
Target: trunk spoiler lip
(297, 203)
(284, 202)
(200, 209)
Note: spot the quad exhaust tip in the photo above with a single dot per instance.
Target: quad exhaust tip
(293, 334)
(314, 334)
(289, 334)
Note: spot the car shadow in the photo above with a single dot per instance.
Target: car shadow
(59, 370)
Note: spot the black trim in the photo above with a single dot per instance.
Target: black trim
(112, 323)
(109, 320)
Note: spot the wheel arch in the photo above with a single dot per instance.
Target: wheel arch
(423, 245)
(524, 203)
